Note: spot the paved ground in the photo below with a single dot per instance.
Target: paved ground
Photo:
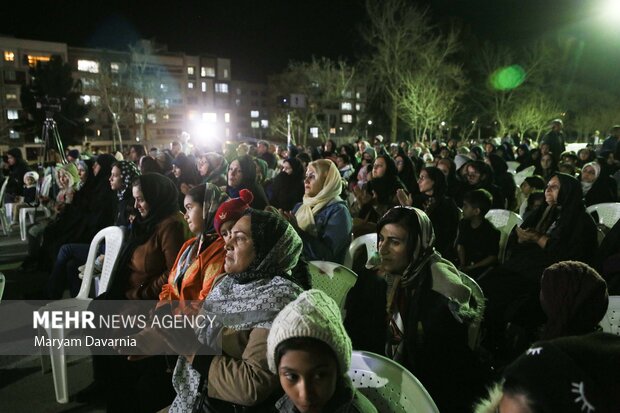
(23, 385)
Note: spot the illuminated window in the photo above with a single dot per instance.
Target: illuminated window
(225, 73)
(138, 103)
(346, 106)
(203, 86)
(92, 99)
(264, 123)
(11, 96)
(190, 85)
(314, 132)
(88, 82)
(206, 71)
(210, 117)
(89, 66)
(221, 87)
(190, 70)
(227, 117)
(114, 67)
(191, 115)
(139, 118)
(347, 118)
(12, 114)
(254, 114)
(255, 124)
(359, 107)
(152, 117)
(9, 56)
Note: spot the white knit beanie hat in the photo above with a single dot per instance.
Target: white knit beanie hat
(313, 314)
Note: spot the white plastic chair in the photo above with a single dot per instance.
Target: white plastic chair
(334, 279)
(30, 213)
(504, 221)
(512, 166)
(479, 302)
(368, 240)
(388, 385)
(521, 175)
(2, 284)
(6, 228)
(611, 321)
(113, 237)
(608, 213)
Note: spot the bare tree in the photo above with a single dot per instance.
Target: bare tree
(533, 113)
(407, 58)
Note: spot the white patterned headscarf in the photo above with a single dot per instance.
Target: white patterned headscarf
(327, 172)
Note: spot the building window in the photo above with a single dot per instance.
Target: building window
(227, 133)
(347, 118)
(314, 131)
(206, 71)
(89, 66)
(359, 107)
(238, 91)
(152, 117)
(225, 73)
(9, 56)
(203, 86)
(12, 114)
(346, 106)
(190, 70)
(32, 60)
(255, 124)
(139, 118)
(358, 95)
(254, 114)
(9, 75)
(227, 117)
(88, 82)
(192, 100)
(92, 99)
(11, 96)
(163, 87)
(210, 117)
(115, 67)
(13, 134)
(264, 123)
(138, 103)
(221, 87)
(190, 85)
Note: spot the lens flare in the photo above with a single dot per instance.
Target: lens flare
(507, 78)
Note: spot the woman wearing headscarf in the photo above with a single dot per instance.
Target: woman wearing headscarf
(122, 176)
(504, 180)
(574, 298)
(287, 188)
(546, 167)
(212, 168)
(264, 272)
(559, 230)
(17, 168)
(185, 176)
(406, 171)
(380, 193)
(242, 175)
(584, 156)
(94, 207)
(597, 188)
(429, 309)
(442, 211)
(322, 220)
(523, 157)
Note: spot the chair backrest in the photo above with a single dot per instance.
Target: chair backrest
(608, 213)
(2, 283)
(334, 279)
(367, 240)
(521, 175)
(611, 321)
(3, 190)
(504, 221)
(113, 237)
(512, 166)
(478, 301)
(388, 385)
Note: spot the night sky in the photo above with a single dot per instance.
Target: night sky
(262, 36)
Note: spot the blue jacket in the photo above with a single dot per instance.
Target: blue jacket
(333, 226)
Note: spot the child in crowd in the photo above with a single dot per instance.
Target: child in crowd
(310, 351)
(29, 197)
(530, 185)
(478, 240)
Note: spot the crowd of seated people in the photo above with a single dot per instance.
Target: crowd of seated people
(234, 230)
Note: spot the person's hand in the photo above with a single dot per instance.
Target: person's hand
(527, 235)
(404, 198)
(291, 218)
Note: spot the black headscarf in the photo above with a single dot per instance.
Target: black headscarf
(385, 187)
(287, 189)
(408, 175)
(161, 195)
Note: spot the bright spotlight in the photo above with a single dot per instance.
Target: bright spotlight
(611, 9)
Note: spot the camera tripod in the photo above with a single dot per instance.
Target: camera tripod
(51, 139)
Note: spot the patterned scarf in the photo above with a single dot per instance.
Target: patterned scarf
(129, 172)
(332, 186)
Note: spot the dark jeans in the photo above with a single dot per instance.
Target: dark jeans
(65, 271)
